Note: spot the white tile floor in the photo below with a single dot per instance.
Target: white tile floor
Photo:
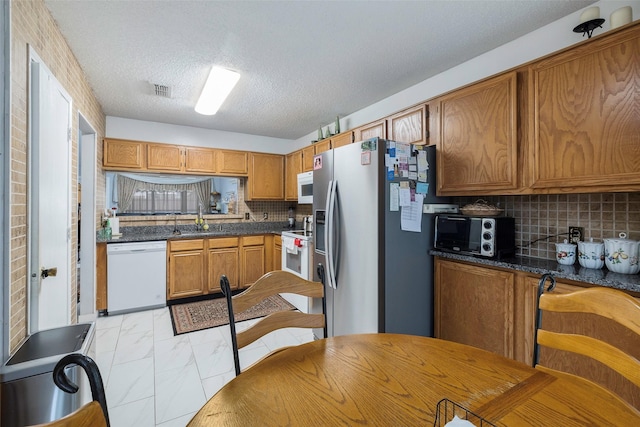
(153, 378)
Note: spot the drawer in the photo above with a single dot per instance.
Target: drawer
(186, 245)
(252, 240)
(223, 242)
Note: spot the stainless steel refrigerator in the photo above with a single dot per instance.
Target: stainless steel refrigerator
(380, 278)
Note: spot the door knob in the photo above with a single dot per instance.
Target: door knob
(46, 272)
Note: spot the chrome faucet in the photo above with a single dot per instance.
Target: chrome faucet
(199, 220)
(176, 232)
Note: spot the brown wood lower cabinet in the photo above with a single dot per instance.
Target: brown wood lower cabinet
(277, 253)
(495, 309)
(186, 268)
(223, 259)
(101, 277)
(194, 266)
(252, 259)
(474, 306)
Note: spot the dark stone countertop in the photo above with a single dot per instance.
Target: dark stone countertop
(601, 277)
(164, 232)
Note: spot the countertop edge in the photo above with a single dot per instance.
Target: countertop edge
(538, 266)
(159, 233)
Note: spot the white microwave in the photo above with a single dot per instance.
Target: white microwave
(305, 188)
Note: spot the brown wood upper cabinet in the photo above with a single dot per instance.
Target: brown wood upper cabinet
(231, 163)
(409, 126)
(344, 138)
(586, 116)
(199, 160)
(327, 144)
(322, 146)
(122, 154)
(478, 138)
(266, 177)
(176, 158)
(307, 158)
(293, 166)
(371, 130)
(164, 157)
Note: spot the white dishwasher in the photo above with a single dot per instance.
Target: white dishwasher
(136, 276)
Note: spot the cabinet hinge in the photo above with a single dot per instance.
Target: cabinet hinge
(426, 134)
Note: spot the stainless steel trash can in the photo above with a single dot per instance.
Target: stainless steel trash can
(28, 394)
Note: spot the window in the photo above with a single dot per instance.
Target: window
(153, 202)
(160, 194)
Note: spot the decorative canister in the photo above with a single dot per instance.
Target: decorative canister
(566, 253)
(621, 255)
(591, 254)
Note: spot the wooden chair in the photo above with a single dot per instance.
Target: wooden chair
(92, 414)
(272, 283)
(607, 303)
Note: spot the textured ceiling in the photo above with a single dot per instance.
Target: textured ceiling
(302, 63)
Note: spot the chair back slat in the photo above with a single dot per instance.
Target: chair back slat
(279, 320)
(272, 283)
(621, 362)
(602, 303)
(605, 302)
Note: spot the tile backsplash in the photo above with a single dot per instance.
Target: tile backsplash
(548, 217)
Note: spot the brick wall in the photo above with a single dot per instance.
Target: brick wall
(32, 25)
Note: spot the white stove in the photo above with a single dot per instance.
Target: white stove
(297, 258)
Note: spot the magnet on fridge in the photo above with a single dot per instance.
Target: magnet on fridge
(365, 158)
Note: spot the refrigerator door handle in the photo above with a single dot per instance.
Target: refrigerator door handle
(335, 225)
(328, 236)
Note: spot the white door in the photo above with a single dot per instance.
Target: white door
(50, 188)
(87, 231)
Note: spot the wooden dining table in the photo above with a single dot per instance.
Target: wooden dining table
(398, 380)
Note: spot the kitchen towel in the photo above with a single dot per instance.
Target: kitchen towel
(290, 246)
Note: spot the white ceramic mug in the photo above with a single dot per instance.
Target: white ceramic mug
(566, 253)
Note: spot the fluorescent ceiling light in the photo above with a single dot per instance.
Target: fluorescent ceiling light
(218, 86)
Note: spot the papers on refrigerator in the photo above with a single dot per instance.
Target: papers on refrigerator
(411, 215)
(394, 197)
(423, 166)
